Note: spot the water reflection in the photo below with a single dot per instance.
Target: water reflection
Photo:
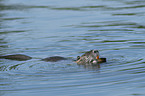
(91, 67)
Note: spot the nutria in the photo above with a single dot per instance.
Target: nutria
(90, 57)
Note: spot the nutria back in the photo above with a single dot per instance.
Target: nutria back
(21, 57)
(54, 59)
(18, 57)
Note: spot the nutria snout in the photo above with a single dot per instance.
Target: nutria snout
(101, 60)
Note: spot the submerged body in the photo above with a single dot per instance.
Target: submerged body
(21, 57)
(18, 57)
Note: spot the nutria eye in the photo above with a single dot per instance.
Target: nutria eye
(95, 51)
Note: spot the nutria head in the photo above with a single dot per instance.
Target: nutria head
(94, 54)
(89, 57)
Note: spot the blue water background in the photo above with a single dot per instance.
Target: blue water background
(68, 28)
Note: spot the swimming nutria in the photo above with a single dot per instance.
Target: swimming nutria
(90, 57)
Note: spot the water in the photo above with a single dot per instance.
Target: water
(43, 28)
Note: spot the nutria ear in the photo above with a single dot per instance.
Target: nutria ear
(78, 57)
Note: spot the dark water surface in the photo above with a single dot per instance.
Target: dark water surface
(43, 28)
